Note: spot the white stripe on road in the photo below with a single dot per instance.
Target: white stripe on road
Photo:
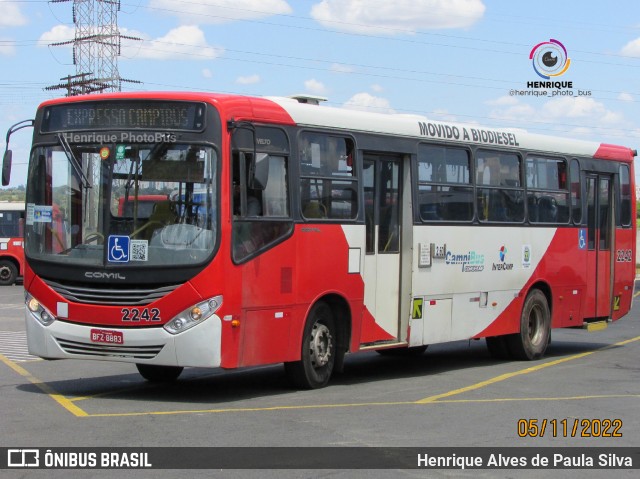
(13, 345)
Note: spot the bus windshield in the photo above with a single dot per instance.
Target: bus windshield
(115, 204)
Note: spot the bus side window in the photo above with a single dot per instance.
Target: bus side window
(261, 217)
(327, 178)
(625, 196)
(548, 198)
(501, 197)
(445, 192)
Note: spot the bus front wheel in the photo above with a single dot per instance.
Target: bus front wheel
(158, 374)
(8, 273)
(318, 352)
(535, 328)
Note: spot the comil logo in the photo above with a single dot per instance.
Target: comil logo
(550, 59)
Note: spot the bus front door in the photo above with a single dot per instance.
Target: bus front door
(600, 233)
(383, 200)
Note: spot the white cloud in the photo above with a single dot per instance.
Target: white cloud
(624, 96)
(206, 73)
(59, 33)
(315, 87)
(443, 115)
(341, 68)
(367, 102)
(11, 15)
(377, 88)
(221, 11)
(579, 108)
(632, 48)
(6, 49)
(505, 100)
(570, 116)
(186, 42)
(248, 80)
(399, 16)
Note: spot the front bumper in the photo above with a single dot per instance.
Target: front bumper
(199, 346)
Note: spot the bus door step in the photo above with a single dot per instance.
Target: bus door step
(595, 326)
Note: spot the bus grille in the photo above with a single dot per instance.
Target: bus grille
(110, 350)
(111, 295)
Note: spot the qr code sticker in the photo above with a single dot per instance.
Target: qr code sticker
(139, 250)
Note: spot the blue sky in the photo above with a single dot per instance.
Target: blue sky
(452, 60)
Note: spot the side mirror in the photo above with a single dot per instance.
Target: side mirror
(6, 167)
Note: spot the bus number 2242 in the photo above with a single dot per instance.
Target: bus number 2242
(137, 315)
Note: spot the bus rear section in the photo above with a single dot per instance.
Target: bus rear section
(11, 242)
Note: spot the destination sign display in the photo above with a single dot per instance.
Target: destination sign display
(119, 115)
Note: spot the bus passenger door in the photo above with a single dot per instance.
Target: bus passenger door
(600, 233)
(383, 200)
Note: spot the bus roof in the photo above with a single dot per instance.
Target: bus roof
(291, 111)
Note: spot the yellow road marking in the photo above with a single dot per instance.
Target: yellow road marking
(347, 405)
(69, 405)
(521, 372)
(44, 387)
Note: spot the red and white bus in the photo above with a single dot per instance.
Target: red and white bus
(315, 232)
(11, 250)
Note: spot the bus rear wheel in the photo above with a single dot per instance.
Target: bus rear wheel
(318, 352)
(159, 374)
(8, 273)
(535, 328)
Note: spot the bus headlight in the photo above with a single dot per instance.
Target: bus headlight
(39, 312)
(194, 315)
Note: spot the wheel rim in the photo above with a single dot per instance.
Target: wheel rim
(536, 326)
(5, 273)
(321, 345)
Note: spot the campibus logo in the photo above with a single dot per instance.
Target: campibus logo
(550, 59)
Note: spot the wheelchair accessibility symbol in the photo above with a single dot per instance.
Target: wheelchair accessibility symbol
(118, 249)
(582, 238)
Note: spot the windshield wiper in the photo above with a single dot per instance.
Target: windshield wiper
(73, 160)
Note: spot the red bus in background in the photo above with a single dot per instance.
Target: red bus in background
(141, 205)
(11, 242)
(296, 233)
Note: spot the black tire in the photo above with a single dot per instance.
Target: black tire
(403, 352)
(159, 374)
(498, 348)
(8, 272)
(535, 328)
(318, 350)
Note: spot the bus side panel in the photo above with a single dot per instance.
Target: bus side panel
(268, 305)
(280, 285)
(624, 272)
(483, 270)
